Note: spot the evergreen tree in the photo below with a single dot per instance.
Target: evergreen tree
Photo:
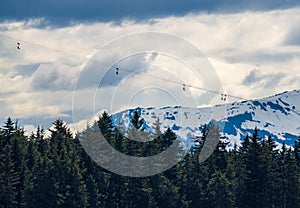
(8, 130)
(19, 148)
(136, 143)
(71, 190)
(253, 176)
(55, 171)
(219, 193)
(136, 120)
(31, 160)
(10, 192)
(106, 127)
(289, 179)
(270, 179)
(297, 151)
(9, 178)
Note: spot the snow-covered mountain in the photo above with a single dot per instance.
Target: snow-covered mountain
(277, 116)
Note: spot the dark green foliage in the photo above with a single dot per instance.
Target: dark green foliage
(219, 194)
(297, 151)
(55, 171)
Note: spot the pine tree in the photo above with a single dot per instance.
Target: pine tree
(8, 130)
(234, 172)
(19, 148)
(136, 120)
(218, 191)
(156, 145)
(174, 155)
(55, 171)
(9, 179)
(135, 144)
(71, 190)
(289, 179)
(106, 127)
(297, 151)
(45, 185)
(31, 160)
(253, 176)
(10, 187)
(270, 178)
(167, 195)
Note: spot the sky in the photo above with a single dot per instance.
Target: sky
(69, 51)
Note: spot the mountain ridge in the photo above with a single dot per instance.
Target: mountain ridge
(277, 116)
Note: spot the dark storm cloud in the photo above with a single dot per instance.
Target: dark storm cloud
(63, 12)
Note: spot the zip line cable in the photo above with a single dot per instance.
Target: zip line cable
(41, 47)
(184, 86)
(19, 43)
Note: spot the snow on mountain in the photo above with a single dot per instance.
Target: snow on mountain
(277, 116)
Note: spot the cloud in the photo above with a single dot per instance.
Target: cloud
(12, 82)
(53, 77)
(264, 80)
(61, 13)
(253, 77)
(262, 57)
(248, 51)
(100, 71)
(26, 70)
(293, 37)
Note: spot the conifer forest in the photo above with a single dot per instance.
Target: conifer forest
(55, 171)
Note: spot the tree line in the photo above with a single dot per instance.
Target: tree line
(55, 171)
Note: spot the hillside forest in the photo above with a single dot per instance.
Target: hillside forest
(55, 171)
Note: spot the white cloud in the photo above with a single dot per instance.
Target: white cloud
(235, 44)
(54, 77)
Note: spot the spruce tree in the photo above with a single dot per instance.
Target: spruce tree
(10, 191)
(297, 151)
(219, 194)
(253, 175)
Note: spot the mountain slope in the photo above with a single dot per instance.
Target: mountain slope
(277, 116)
